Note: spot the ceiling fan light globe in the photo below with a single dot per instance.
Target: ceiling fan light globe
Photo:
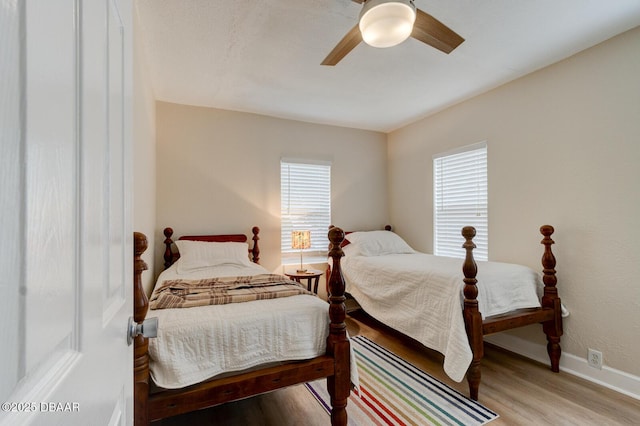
(385, 23)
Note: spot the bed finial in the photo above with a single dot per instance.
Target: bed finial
(338, 385)
(168, 232)
(469, 268)
(140, 245)
(168, 254)
(336, 280)
(141, 304)
(255, 251)
(547, 230)
(336, 236)
(548, 259)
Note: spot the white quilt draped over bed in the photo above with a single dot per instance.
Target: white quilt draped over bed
(195, 344)
(421, 296)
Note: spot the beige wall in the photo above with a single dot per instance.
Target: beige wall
(563, 149)
(219, 171)
(144, 155)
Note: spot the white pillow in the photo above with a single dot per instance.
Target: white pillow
(377, 243)
(351, 250)
(195, 255)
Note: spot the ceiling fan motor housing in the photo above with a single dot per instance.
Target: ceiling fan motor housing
(386, 23)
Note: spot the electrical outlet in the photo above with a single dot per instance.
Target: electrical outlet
(594, 358)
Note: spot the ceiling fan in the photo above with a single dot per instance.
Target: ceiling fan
(386, 23)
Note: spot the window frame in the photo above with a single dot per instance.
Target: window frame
(447, 228)
(317, 222)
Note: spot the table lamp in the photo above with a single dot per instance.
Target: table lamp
(301, 240)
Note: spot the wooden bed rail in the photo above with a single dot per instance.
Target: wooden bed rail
(549, 314)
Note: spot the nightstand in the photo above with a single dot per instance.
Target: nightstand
(310, 275)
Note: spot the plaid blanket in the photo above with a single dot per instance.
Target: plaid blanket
(219, 291)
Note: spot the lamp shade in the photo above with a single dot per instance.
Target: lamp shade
(300, 240)
(386, 23)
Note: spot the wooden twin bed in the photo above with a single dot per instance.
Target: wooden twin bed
(334, 364)
(548, 313)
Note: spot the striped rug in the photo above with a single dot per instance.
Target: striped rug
(394, 392)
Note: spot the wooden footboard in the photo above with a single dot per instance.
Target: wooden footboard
(549, 314)
(335, 364)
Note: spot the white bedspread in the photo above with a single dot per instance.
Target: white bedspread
(195, 344)
(421, 296)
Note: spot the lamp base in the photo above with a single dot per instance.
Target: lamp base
(301, 271)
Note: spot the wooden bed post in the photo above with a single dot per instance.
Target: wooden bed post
(168, 254)
(140, 343)
(472, 316)
(550, 299)
(255, 251)
(338, 385)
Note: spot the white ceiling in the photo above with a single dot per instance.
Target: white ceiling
(263, 56)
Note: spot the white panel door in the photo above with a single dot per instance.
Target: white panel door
(65, 182)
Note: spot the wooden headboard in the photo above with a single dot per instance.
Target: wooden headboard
(171, 253)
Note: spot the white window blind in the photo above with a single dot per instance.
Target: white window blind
(305, 204)
(460, 199)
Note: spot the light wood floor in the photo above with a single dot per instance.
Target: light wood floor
(522, 391)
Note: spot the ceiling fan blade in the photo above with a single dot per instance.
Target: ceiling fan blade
(346, 45)
(429, 30)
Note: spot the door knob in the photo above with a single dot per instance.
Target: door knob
(147, 328)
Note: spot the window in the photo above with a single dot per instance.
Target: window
(460, 199)
(305, 202)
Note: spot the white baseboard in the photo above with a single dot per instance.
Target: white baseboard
(608, 377)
